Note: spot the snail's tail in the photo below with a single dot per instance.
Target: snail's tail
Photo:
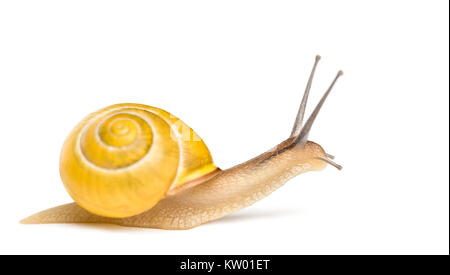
(72, 213)
(67, 213)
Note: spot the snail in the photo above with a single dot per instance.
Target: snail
(139, 166)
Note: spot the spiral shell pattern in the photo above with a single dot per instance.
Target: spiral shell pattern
(121, 161)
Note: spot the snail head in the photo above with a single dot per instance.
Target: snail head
(310, 152)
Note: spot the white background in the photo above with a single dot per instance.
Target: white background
(235, 72)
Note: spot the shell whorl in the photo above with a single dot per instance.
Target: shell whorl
(120, 161)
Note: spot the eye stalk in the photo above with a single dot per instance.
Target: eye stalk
(301, 111)
(300, 132)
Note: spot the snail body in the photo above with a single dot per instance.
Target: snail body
(136, 165)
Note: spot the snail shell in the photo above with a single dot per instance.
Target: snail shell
(122, 160)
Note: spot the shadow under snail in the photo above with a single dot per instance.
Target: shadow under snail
(136, 165)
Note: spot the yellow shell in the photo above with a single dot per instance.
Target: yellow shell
(121, 160)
